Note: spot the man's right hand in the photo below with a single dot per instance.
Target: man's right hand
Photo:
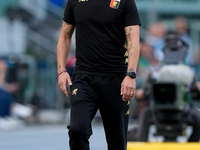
(63, 79)
(63, 50)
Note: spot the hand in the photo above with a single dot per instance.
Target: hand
(128, 87)
(63, 79)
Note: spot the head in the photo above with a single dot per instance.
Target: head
(157, 29)
(181, 25)
(147, 52)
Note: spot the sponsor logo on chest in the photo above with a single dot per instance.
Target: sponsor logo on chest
(115, 4)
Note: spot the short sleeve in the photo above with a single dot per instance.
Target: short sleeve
(131, 16)
(69, 14)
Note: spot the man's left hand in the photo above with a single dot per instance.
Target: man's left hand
(128, 87)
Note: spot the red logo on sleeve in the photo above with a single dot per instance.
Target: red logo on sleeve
(114, 3)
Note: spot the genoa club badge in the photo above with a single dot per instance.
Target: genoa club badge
(114, 3)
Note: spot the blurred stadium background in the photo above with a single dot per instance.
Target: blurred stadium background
(29, 30)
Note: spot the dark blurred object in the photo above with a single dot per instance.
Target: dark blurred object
(175, 49)
(169, 117)
(20, 74)
(182, 30)
(164, 93)
(168, 113)
(163, 111)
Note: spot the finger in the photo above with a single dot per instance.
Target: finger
(122, 89)
(126, 98)
(60, 85)
(69, 81)
(132, 93)
(64, 89)
(129, 91)
(125, 94)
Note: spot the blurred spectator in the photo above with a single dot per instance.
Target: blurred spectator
(9, 87)
(151, 52)
(147, 62)
(155, 39)
(9, 109)
(181, 28)
(148, 65)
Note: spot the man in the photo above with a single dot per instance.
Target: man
(9, 108)
(100, 79)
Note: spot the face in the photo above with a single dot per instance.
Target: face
(181, 25)
(158, 29)
(3, 66)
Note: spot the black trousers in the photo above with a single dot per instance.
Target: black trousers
(88, 94)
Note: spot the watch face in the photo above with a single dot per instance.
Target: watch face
(131, 74)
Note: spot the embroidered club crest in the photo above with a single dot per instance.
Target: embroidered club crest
(114, 3)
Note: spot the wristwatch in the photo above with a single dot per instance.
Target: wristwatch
(131, 75)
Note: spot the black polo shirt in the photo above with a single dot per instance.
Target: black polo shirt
(100, 34)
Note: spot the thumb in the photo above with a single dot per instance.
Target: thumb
(69, 81)
(122, 89)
